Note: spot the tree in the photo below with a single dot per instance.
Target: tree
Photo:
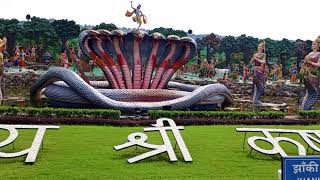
(286, 49)
(66, 30)
(300, 51)
(200, 46)
(308, 46)
(169, 31)
(10, 29)
(228, 45)
(40, 30)
(109, 27)
(211, 42)
(271, 48)
(247, 45)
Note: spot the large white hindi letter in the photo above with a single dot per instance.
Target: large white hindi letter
(31, 152)
(274, 141)
(140, 140)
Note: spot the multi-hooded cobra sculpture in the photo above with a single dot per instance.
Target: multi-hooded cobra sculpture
(138, 68)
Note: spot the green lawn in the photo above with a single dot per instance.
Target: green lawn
(86, 152)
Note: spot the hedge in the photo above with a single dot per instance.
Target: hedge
(60, 112)
(17, 119)
(312, 114)
(154, 114)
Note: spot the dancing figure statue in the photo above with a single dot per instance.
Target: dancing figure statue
(311, 71)
(259, 73)
(139, 17)
(3, 43)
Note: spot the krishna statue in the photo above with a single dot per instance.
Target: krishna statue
(139, 17)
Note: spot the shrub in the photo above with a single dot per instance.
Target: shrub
(60, 112)
(312, 114)
(154, 114)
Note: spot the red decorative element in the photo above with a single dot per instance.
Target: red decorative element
(177, 65)
(109, 61)
(151, 64)
(77, 61)
(102, 65)
(137, 65)
(123, 64)
(163, 67)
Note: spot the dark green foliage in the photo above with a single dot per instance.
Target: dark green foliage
(286, 50)
(39, 30)
(66, 30)
(300, 51)
(60, 112)
(169, 31)
(10, 29)
(247, 45)
(154, 114)
(109, 27)
(313, 114)
(211, 42)
(228, 46)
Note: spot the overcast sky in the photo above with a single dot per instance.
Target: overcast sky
(277, 19)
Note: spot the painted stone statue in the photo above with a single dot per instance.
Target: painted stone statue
(311, 71)
(246, 72)
(259, 73)
(138, 68)
(139, 17)
(293, 73)
(276, 72)
(3, 43)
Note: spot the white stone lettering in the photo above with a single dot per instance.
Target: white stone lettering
(31, 152)
(141, 138)
(309, 136)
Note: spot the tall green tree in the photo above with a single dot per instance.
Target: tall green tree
(109, 27)
(200, 46)
(300, 51)
(211, 42)
(66, 30)
(247, 45)
(39, 30)
(169, 31)
(271, 48)
(228, 46)
(11, 29)
(308, 46)
(286, 49)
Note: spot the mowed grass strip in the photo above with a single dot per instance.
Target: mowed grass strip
(86, 152)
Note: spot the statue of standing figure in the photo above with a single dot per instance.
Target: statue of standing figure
(3, 46)
(246, 72)
(276, 72)
(311, 71)
(293, 73)
(259, 73)
(139, 17)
